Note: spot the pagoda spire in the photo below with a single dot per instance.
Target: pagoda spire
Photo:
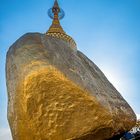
(56, 30)
(55, 27)
(56, 5)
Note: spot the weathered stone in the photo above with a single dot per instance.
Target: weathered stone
(56, 93)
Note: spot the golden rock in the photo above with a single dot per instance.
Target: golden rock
(56, 93)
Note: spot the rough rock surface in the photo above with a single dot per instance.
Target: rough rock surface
(56, 93)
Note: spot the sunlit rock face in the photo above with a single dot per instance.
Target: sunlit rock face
(57, 93)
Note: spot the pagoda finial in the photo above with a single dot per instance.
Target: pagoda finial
(55, 30)
(56, 13)
(56, 4)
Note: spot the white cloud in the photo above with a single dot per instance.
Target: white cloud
(5, 134)
(138, 116)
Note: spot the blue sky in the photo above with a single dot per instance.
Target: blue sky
(107, 31)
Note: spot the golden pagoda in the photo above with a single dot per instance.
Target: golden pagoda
(56, 30)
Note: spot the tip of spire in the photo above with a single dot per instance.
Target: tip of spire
(55, 8)
(56, 5)
(56, 2)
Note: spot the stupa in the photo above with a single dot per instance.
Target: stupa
(56, 93)
(56, 30)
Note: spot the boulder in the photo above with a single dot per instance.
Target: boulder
(57, 93)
